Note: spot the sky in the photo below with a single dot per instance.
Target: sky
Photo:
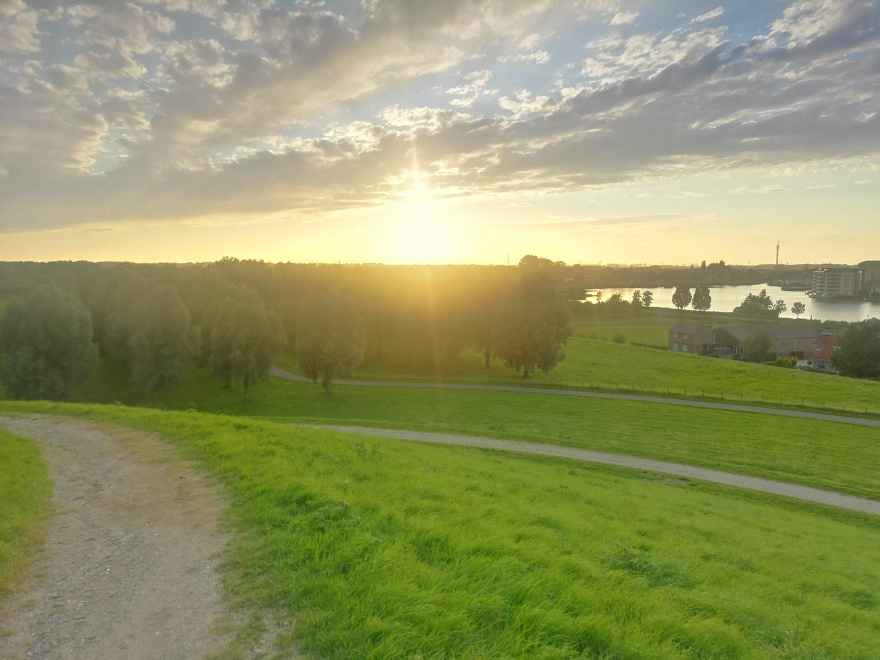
(416, 131)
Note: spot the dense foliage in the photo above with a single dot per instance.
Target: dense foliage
(46, 345)
(859, 353)
(162, 341)
(330, 339)
(154, 318)
(756, 348)
(761, 306)
(702, 300)
(682, 296)
(245, 338)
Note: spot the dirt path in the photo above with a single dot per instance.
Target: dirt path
(286, 375)
(703, 474)
(129, 569)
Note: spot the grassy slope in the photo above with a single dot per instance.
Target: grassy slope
(24, 494)
(652, 327)
(599, 365)
(828, 455)
(389, 549)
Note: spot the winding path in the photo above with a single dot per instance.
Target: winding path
(129, 569)
(782, 412)
(804, 493)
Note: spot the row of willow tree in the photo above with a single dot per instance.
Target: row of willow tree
(234, 317)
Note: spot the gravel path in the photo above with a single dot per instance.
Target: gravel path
(129, 567)
(286, 375)
(662, 467)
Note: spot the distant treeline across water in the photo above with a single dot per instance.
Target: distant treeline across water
(726, 298)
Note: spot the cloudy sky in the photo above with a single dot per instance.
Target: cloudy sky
(416, 131)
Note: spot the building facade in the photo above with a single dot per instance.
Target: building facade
(836, 282)
(870, 276)
(691, 338)
(788, 341)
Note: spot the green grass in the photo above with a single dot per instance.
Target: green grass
(828, 455)
(646, 328)
(652, 327)
(389, 549)
(603, 366)
(24, 495)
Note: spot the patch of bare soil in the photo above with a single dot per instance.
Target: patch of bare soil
(130, 565)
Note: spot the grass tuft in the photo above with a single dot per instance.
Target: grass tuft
(25, 489)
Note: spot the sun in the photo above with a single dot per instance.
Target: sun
(419, 236)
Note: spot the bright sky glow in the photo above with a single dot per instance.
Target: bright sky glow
(440, 132)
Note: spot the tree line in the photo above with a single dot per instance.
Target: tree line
(235, 316)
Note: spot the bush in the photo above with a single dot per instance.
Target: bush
(619, 338)
(786, 362)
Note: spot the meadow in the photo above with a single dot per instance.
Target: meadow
(828, 455)
(389, 549)
(24, 494)
(604, 366)
(652, 326)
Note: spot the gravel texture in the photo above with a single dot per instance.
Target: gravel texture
(129, 569)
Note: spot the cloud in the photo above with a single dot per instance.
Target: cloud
(763, 190)
(261, 110)
(709, 15)
(19, 27)
(538, 57)
(624, 18)
(608, 224)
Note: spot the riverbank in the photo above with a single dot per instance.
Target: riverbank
(727, 298)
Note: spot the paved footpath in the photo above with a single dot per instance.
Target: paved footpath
(782, 412)
(751, 483)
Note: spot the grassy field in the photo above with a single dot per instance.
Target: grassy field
(828, 455)
(652, 327)
(603, 366)
(389, 549)
(24, 494)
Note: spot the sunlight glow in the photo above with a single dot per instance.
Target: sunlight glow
(420, 237)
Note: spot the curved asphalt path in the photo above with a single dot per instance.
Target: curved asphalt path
(286, 375)
(804, 493)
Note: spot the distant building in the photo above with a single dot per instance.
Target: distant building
(788, 340)
(693, 338)
(821, 358)
(836, 282)
(870, 275)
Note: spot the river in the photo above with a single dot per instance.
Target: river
(725, 298)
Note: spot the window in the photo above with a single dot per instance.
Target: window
(675, 346)
(684, 347)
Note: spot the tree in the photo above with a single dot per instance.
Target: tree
(330, 339)
(46, 347)
(702, 300)
(798, 308)
(682, 296)
(780, 307)
(245, 338)
(598, 297)
(760, 306)
(756, 348)
(647, 299)
(637, 300)
(531, 333)
(859, 352)
(162, 340)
